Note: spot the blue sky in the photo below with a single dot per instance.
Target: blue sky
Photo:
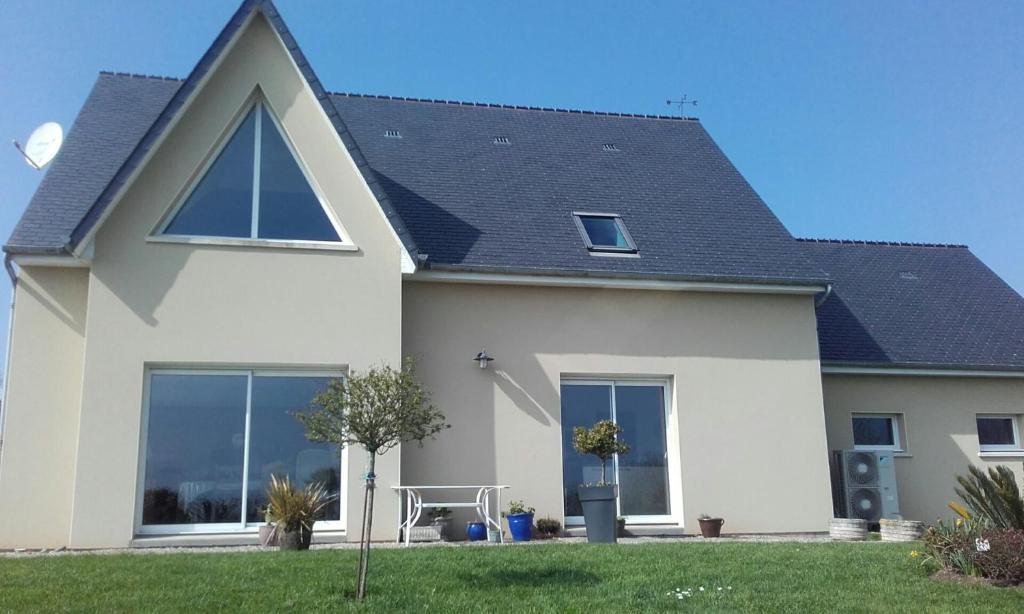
(864, 120)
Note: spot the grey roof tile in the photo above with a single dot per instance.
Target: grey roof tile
(916, 305)
(471, 205)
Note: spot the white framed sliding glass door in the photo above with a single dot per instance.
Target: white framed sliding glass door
(211, 439)
(642, 409)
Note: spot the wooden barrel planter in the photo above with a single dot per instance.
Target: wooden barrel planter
(901, 530)
(848, 529)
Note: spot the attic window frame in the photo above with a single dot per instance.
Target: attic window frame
(392, 133)
(255, 103)
(630, 248)
(502, 140)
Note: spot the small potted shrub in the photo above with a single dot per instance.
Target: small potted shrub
(710, 527)
(598, 500)
(549, 528)
(293, 511)
(520, 521)
(441, 521)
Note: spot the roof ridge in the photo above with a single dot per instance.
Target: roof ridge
(132, 75)
(491, 105)
(885, 243)
(458, 103)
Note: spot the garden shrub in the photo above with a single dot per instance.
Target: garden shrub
(993, 498)
(970, 548)
(1001, 555)
(549, 527)
(951, 545)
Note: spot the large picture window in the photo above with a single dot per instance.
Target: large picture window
(254, 188)
(213, 439)
(639, 407)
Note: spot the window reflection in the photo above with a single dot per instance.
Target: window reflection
(196, 441)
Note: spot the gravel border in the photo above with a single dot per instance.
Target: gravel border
(790, 539)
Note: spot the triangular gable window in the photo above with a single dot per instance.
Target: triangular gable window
(254, 189)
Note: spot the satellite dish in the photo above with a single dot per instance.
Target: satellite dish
(43, 145)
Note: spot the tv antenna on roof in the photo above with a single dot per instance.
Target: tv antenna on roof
(42, 145)
(682, 102)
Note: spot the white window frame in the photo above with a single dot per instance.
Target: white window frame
(897, 434)
(672, 451)
(241, 527)
(1014, 420)
(256, 103)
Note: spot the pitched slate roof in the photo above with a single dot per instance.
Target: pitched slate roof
(62, 203)
(471, 204)
(915, 305)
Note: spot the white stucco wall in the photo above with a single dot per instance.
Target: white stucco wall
(940, 432)
(37, 460)
(155, 304)
(747, 419)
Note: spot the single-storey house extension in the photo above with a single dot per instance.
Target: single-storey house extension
(205, 254)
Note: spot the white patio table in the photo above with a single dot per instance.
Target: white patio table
(414, 506)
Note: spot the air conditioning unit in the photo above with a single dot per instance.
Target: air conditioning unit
(864, 485)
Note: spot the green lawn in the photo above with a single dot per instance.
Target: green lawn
(547, 577)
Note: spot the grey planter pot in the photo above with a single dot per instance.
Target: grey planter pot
(295, 540)
(599, 513)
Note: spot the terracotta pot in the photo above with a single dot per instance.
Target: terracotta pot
(711, 527)
(295, 540)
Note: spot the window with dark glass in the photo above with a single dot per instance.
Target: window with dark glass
(998, 433)
(254, 189)
(642, 475)
(214, 439)
(876, 431)
(604, 232)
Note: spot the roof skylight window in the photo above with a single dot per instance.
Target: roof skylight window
(610, 147)
(604, 232)
(502, 140)
(392, 134)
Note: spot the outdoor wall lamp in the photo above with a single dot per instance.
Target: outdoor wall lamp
(482, 358)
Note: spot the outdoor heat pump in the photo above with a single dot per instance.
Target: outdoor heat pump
(864, 485)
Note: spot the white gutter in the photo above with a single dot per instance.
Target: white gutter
(622, 283)
(54, 261)
(924, 372)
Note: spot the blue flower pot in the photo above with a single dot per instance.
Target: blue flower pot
(476, 531)
(520, 526)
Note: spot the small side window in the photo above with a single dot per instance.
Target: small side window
(604, 232)
(998, 432)
(877, 432)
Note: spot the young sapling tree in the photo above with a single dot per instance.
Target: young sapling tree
(377, 409)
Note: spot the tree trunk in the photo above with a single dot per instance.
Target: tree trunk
(604, 464)
(364, 538)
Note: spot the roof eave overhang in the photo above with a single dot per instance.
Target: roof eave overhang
(606, 279)
(35, 250)
(921, 370)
